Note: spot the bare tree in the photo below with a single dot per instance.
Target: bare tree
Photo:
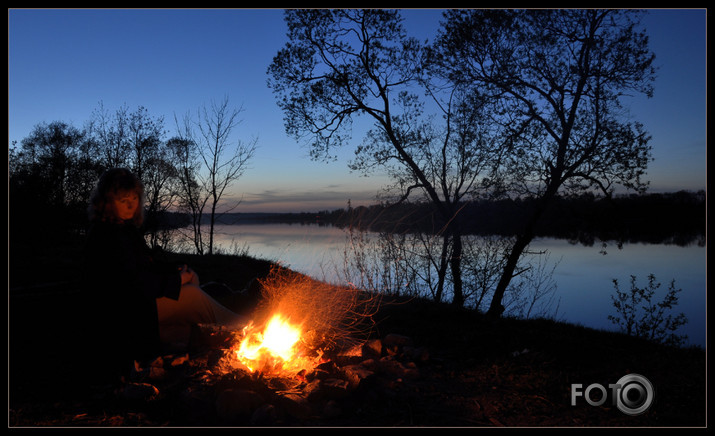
(111, 132)
(150, 160)
(190, 197)
(224, 161)
(162, 188)
(145, 139)
(342, 63)
(556, 80)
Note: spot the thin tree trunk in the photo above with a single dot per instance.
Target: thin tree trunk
(442, 272)
(455, 262)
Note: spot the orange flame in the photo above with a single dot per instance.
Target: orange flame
(276, 350)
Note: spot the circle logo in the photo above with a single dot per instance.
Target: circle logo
(635, 395)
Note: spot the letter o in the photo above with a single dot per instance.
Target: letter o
(587, 394)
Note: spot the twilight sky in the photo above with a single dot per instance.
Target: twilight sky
(63, 62)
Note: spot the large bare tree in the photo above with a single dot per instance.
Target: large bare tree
(557, 80)
(341, 64)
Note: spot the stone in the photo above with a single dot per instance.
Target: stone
(332, 409)
(393, 339)
(334, 388)
(180, 360)
(356, 374)
(312, 390)
(295, 405)
(139, 391)
(237, 404)
(265, 414)
(419, 354)
(156, 373)
(372, 349)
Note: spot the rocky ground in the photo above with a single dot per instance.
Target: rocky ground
(419, 364)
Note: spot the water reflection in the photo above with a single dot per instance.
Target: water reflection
(584, 275)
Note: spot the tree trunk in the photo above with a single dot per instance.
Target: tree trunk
(456, 264)
(211, 229)
(442, 272)
(522, 241)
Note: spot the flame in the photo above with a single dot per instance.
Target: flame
(275, 350)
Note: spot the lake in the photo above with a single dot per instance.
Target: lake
(583, 275)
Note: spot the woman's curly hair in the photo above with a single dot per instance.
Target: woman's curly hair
(112, 184)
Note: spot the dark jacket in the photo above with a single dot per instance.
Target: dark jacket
(123, 281)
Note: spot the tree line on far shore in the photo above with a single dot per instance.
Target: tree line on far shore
(658, 218)
(677, 217)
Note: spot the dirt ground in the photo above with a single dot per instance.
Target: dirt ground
(476, 371)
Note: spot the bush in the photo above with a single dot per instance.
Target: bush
(638, 315)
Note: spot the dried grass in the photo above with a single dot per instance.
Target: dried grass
(331, 316)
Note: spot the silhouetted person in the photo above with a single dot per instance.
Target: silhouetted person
(138, 301)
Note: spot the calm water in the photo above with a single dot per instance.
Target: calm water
(583, 275)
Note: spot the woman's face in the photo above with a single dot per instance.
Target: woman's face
(126, 204)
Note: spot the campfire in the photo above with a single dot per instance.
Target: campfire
(278, 348)
(298, 321)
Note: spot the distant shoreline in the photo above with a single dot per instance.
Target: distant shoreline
(677, 218)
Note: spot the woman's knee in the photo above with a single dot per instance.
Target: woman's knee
(191, 291)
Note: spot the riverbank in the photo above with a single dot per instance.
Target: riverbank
(478, 372)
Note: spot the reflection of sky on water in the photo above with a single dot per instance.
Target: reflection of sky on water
(584, 276)
(309, 249)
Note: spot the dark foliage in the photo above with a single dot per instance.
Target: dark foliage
(677, 218)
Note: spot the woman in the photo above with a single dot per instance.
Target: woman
(140, 301)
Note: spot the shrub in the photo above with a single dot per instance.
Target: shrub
(638, 315)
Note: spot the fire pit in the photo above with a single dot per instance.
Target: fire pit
(297, 321)
(306, 352)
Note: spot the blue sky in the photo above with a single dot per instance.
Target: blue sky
(63, 62)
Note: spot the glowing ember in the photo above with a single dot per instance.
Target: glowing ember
(275, 350)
